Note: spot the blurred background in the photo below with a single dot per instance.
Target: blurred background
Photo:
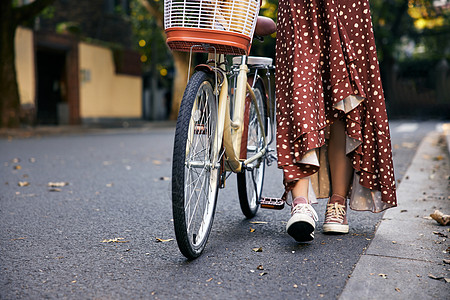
(106, 62)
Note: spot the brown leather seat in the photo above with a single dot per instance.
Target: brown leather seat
(265, 26)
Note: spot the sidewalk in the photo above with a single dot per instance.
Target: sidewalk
(83, 129)
(406, 257)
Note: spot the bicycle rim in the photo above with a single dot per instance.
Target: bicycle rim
(195, 173)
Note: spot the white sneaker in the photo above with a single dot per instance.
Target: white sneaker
(303, 220)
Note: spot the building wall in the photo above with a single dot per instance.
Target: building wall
(103, 93)
(25, 66)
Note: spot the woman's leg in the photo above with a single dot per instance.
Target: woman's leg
(341, 172)
(301, 189)
(340, 165)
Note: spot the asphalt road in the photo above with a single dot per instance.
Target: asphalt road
(94, 233)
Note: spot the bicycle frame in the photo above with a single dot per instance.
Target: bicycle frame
(230, 129)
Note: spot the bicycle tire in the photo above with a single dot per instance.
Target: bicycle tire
(250, 182)
(195, 168)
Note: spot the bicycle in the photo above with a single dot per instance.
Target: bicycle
(221, 128)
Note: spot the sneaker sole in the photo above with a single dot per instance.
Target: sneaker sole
(335, 228)
(301, 228)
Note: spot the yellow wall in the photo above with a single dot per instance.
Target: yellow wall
(25, 65)
(103, 93)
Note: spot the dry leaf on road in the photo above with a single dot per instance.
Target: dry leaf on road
(23, 183)
(115, 240)
(158, 240)
(57, 184)
(440, 217)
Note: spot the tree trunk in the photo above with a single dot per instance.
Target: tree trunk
(10, 18)
(9, 90)
(181, 63)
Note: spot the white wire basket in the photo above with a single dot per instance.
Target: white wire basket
(222, 26)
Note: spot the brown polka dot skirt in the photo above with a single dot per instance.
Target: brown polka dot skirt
(327, 69)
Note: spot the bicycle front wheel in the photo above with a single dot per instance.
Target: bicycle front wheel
(195, 169)
(250, 181)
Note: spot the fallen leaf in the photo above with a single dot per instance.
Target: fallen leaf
(447, 280)
(252, 230)
(115, 240)
(408, 145)
(18, 167)
(55, 190)
(440, 234)
(109, 185)
(259, 222)
(21, 238)
(158, 240)
(447, 261)
(23, 183)
(394, 242)
(263, 273)
(57, 184)
(439, 157)
(383, 275)
(209, 279)
(397, 289)
(156, 162)
(258, 249)
(295, 286)
(440, 217)
(435, 277)
(260, 267)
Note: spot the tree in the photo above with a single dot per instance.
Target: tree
(11, 16)
(180, 59)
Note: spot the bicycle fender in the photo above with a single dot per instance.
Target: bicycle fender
(209, 69)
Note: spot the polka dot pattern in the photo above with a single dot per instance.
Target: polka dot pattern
(325, 54)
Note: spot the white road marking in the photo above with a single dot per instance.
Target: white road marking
(407, 127)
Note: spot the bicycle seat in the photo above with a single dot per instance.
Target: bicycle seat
(264, 26)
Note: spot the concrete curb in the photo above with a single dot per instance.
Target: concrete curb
(409, 247)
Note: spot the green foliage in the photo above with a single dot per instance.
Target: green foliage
(269, 8)
(149, 40)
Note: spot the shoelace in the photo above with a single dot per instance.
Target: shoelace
(335, 211)
(305, 209)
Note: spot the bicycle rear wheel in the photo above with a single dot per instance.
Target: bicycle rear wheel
(195, 169)
(250, 181)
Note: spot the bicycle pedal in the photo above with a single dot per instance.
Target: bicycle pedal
(271, 203)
